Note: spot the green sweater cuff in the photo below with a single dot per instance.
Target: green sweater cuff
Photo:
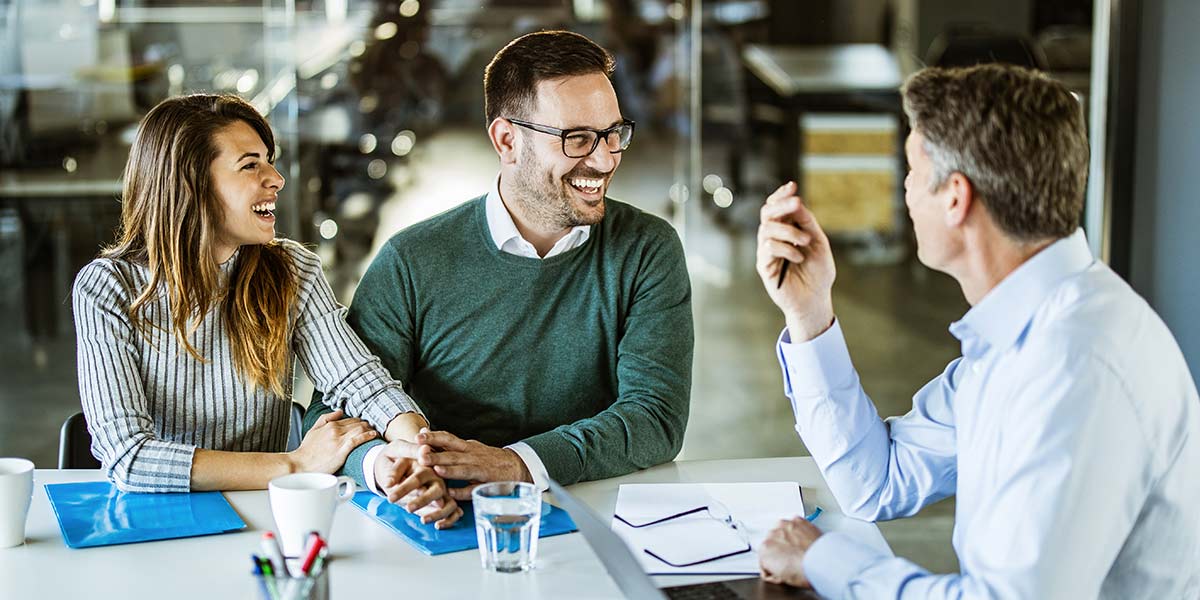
(354, 464)
(561, 457)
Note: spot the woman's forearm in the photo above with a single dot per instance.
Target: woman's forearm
(405, 427)
(220, 470)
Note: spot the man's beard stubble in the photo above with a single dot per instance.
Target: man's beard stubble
(547, 200)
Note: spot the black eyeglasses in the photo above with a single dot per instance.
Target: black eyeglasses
(582, 141)
(714, 510)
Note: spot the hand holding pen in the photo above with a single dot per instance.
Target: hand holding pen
(795, 263)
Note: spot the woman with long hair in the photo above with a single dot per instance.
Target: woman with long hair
(188, 326)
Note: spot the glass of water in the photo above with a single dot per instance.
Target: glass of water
(507, 514)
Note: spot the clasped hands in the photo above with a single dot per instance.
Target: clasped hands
(413, 474)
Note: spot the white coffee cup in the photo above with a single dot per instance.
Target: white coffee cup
(305, 502)
(16, 492)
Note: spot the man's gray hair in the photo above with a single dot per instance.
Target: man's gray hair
(1015, 134)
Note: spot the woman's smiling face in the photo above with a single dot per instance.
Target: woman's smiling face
(247, 186)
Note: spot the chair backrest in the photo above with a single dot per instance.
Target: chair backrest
(75, 443)
(294, 435)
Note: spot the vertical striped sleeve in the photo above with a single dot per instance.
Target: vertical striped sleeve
(113, 393)
(339, 364)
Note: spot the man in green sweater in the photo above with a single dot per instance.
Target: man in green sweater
(545, 329)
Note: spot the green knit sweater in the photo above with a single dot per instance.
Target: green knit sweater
(585, 356)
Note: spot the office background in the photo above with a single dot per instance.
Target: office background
(378, 111)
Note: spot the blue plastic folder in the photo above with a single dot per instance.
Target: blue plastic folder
(96, 513)
(461, 536)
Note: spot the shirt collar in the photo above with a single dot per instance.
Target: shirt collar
(998, 321)
(503, 229)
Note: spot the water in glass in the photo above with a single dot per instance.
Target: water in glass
(507, 515)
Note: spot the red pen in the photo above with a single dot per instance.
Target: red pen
(306, 566)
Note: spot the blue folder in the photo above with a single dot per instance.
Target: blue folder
(461, 536)
(96, 513)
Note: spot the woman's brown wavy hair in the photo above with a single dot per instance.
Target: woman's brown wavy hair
(170, 220)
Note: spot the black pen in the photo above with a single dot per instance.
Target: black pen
(783, 269)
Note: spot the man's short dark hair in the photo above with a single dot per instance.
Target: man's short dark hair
(1016, 134)
(511, 79)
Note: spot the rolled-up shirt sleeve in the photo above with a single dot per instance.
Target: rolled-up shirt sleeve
(113, 394)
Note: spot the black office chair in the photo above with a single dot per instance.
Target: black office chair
(75, 443)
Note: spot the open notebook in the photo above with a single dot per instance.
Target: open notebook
(96, 513)
(685, 528)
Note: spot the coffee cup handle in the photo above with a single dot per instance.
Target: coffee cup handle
(347, 492)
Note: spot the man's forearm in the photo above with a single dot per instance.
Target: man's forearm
(585, 450)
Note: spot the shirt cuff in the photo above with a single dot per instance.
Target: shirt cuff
(368, 468)
(834, 560)
(817, 366)
(541, 479)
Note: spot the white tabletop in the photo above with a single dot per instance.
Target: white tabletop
(791, 70)
(368, 558)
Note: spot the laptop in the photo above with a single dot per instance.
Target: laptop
(635, 584)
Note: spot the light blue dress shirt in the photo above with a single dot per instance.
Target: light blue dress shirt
(1069, 431)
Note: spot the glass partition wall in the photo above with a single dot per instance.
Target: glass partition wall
(377, 107)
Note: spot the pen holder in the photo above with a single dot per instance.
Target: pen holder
(292, 588)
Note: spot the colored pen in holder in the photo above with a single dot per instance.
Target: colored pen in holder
(304, 579)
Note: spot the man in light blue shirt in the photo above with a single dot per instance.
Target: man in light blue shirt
(1069, 430)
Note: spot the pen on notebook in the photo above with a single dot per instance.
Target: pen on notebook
(812, 516)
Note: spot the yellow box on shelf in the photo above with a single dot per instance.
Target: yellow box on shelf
(851, 194)
(841, 134)
(850, 171)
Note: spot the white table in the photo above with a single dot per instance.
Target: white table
(368, 559)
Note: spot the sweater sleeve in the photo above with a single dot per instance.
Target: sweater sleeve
(112, 392)
(645, 425)
(337, 361)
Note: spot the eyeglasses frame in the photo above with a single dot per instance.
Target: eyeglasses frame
(737, 526)
(601, 134)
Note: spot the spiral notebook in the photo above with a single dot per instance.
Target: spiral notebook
(461, 536)
(96, 513)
